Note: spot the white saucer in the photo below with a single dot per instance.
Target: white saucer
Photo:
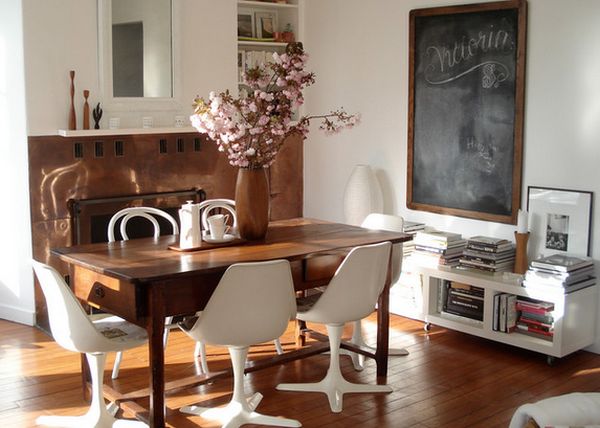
(226, 238)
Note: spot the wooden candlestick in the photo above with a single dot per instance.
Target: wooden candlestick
(86, 110)
(521, 252)
(72, 119)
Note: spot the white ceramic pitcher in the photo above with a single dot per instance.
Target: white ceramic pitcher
(189, 233)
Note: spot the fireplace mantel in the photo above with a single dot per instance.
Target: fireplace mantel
(125, 131)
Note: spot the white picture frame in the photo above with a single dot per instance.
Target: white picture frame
(559, 221)
(245, 23)
(266, 24)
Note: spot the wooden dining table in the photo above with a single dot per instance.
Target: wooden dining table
(146, 280)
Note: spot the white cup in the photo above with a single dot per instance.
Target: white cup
(147, 122)
(217, 225)
(114, 123)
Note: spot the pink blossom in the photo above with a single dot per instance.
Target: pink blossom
(251, 129)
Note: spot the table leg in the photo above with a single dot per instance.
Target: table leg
(155, 327)
(383, 325)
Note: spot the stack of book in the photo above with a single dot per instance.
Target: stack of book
(411, 228)
(488, 254)
(535, 318)
(561, 273)
(505, 313)
(437, 248)
(463, 300)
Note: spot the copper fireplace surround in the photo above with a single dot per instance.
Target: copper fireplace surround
(73, 168)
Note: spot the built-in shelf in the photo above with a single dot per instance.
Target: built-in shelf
(128, 131)
(267, 5)
(258, 43)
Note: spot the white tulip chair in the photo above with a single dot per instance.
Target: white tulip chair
(94, 336)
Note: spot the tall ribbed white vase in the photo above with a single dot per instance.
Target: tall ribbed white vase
(362, 195)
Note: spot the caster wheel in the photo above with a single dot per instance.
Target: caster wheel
(550, 360)
(427, 326)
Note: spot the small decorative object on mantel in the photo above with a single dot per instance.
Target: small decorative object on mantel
(86, 110)
(97, 115)
(252, 128)
(72, 118)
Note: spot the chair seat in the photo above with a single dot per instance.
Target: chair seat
(119, 331)
(305, 303)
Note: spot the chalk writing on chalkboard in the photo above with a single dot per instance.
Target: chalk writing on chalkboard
(465, 112)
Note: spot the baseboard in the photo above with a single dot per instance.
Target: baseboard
(18, 315)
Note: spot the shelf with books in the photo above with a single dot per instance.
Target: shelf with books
(573, 314)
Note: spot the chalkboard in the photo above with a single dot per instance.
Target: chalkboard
(466, 110)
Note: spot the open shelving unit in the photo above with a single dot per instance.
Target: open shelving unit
(288, 13)
(574, 313)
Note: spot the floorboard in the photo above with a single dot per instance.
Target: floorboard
(449, 379)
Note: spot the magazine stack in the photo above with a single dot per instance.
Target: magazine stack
(437, 248)
(411, 227)
(535, 318)
(488, 254)
(560, 273)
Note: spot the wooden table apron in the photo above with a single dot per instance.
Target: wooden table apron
(143, 281)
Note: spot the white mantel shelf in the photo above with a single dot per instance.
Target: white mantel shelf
(126, 131)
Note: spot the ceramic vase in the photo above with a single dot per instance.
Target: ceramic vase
(252, 203)
(362, 195)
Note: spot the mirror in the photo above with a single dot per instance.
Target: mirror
(136, 47)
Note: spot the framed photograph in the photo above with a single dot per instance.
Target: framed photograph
(559, 221)
(465, 113)
(246, 27)
(266, 24)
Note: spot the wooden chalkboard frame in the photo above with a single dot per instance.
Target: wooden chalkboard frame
(510, 216)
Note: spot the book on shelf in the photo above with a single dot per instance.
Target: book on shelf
(439, 239)
(488, 241)
(440, 235)
(536, 307)
(557, 288)
(255, 39)
(534, 331)
(462, 301)
(511, 313)
(545, 319)
(487, 256)
(448, 251)
(549, 326)
(497, 264)
(505, 313)
(413, 226)
(467, 288)
(562, 262)
(559, 278)
(496, 312)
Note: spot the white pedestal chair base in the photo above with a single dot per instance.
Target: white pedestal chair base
(200, 352)
(334, 385)
(358, 360)
(98, 416)
(240, 410)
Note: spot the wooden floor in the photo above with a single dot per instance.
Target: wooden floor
(448, 380)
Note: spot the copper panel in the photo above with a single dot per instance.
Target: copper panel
(57, 174)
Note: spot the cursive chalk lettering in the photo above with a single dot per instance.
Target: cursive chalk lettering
(443, 60)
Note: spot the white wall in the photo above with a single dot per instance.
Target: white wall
(360, 55)
(52, 37)
(16, 283)
(61, 35)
